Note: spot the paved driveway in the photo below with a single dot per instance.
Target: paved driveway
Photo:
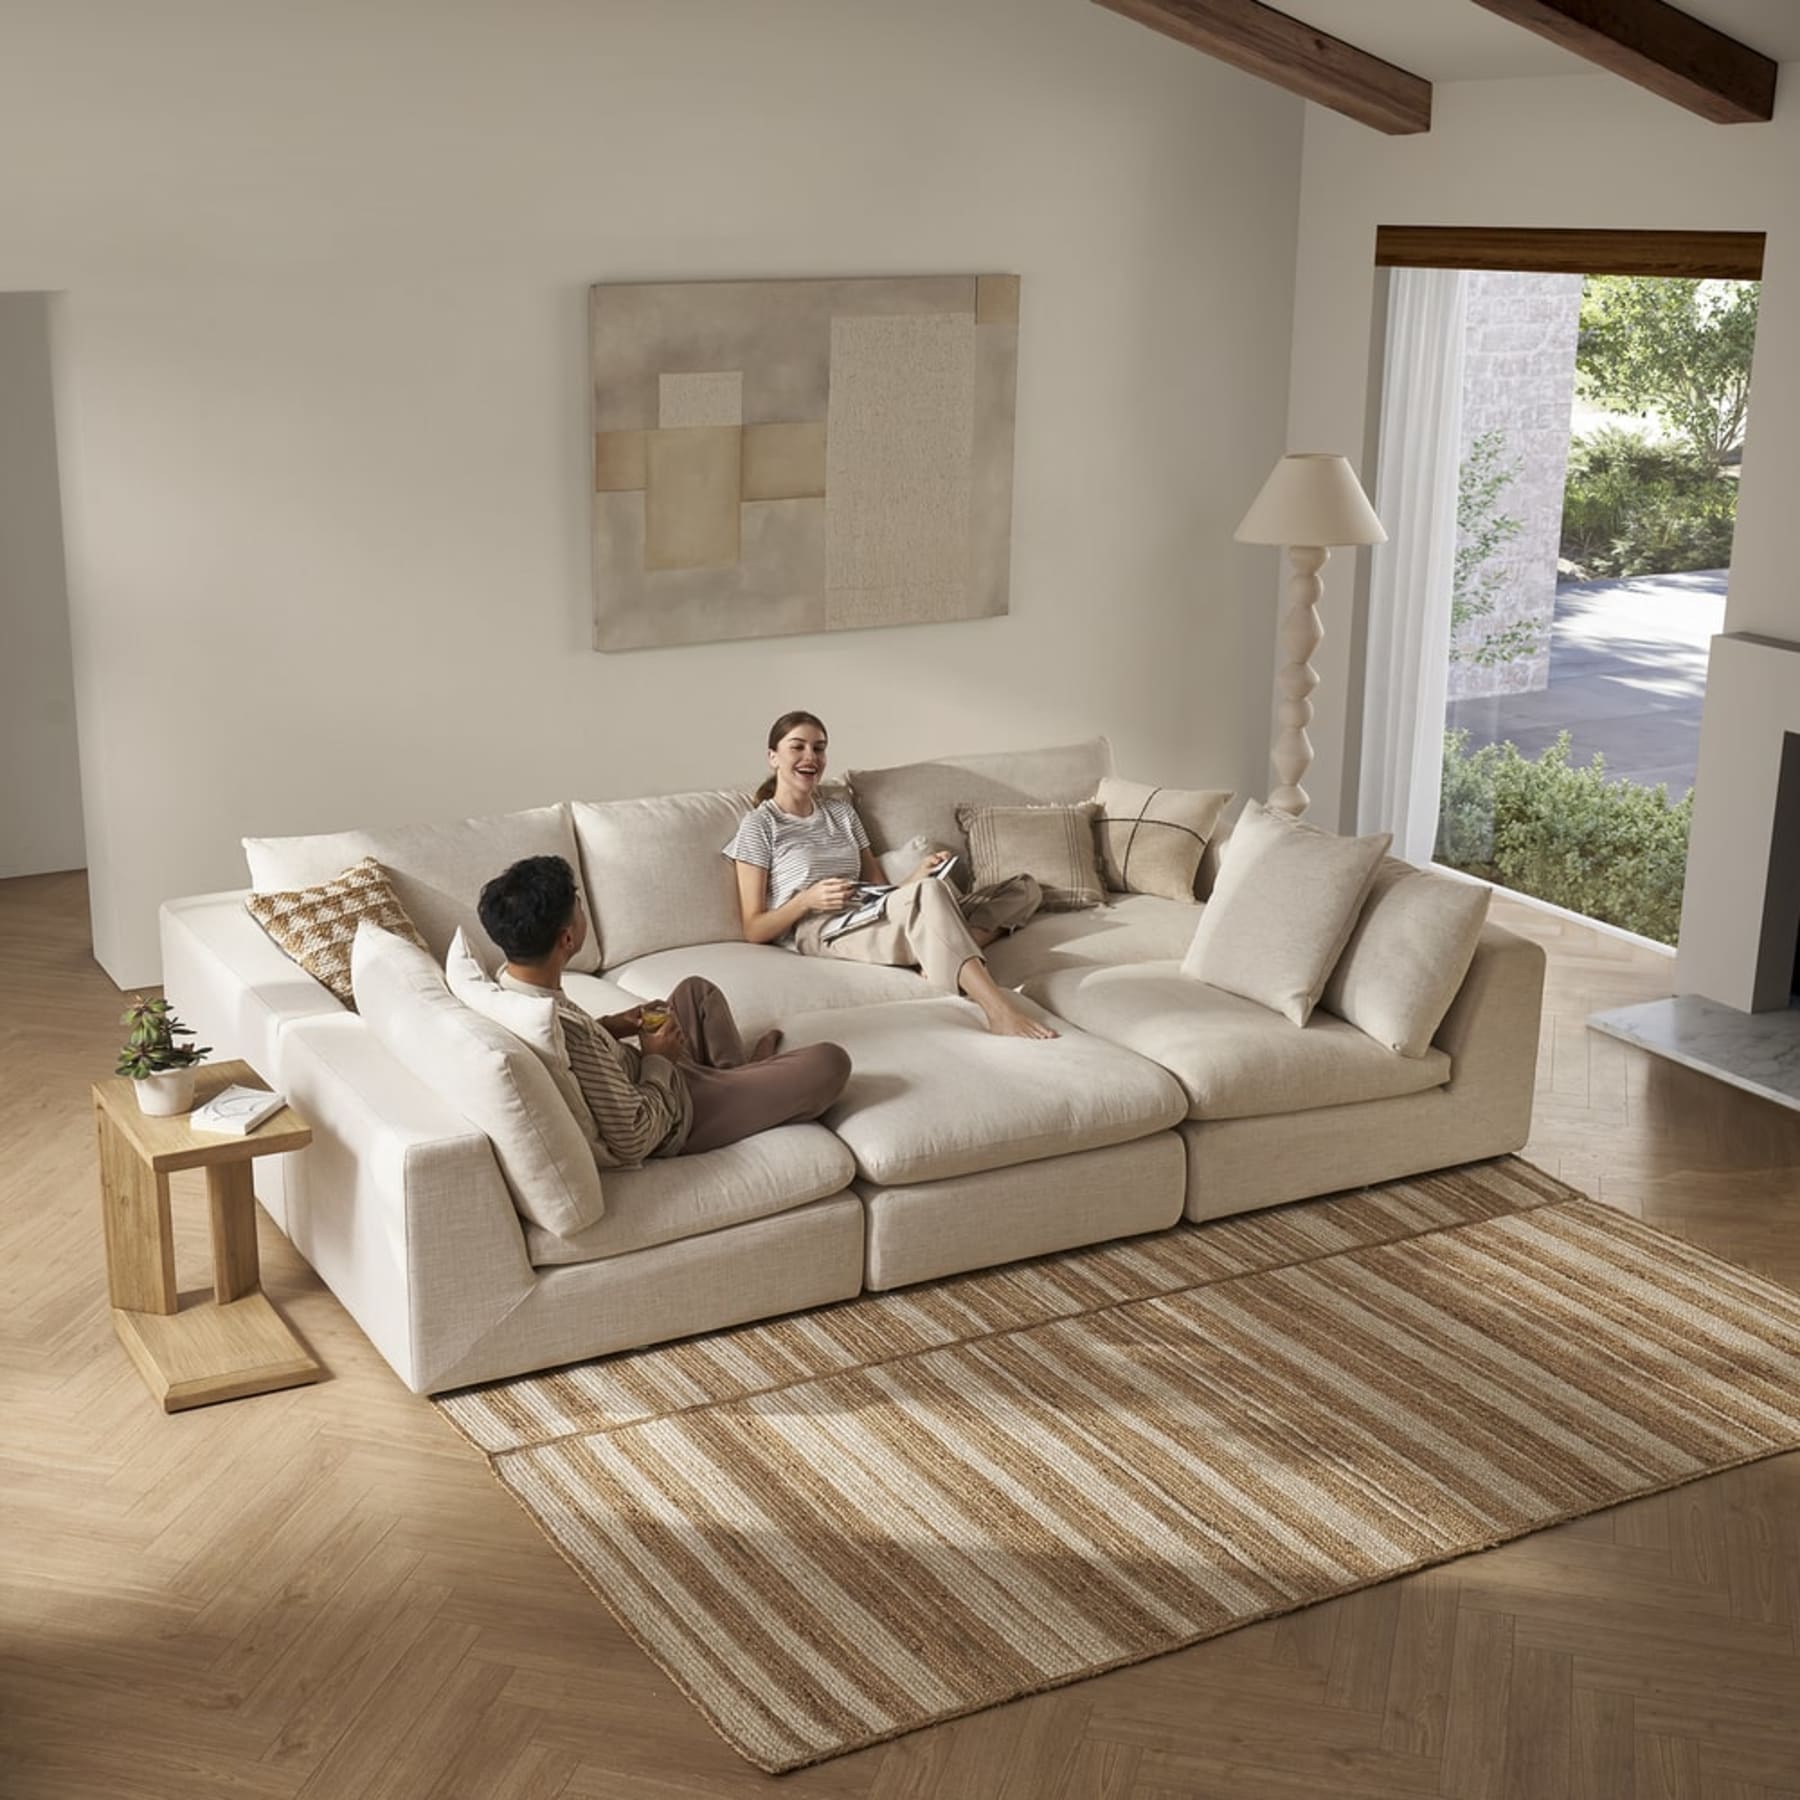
(1627, 676)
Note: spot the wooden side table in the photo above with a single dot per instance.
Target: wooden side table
(236, 1343)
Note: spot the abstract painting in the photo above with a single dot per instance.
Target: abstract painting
(773, 457)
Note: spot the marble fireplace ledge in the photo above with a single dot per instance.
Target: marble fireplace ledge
(1759, 1051)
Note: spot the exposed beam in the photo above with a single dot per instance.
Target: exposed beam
(1660, 48)
(1706, 255)
(1269, 44)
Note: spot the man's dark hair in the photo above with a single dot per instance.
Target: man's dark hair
(524, 909)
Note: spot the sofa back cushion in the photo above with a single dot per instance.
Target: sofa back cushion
(657, 874)
(492, 1078)
(1408, 955)
(919, 800)
(437, 871)
(1287, 900)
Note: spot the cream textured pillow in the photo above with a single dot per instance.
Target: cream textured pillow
(1408, 955)
(1285, 903)
(1152, 838)
(316, 925)
(485, 1073)
(533, 1021)
(1053, 844)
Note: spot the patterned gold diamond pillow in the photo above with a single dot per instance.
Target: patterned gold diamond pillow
(317, 925)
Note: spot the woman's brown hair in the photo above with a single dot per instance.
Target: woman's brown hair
(777, 732)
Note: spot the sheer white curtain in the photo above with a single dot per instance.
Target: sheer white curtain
(1407, 667)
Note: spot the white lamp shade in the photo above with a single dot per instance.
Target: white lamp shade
(1311, 497)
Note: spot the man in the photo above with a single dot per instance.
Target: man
(686, 1085)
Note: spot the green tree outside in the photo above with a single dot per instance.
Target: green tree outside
(1675, 348)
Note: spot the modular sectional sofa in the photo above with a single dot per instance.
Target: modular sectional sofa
(950, 1149)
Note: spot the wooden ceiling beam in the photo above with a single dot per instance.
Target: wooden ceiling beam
(1267, 43)
(1660, 48)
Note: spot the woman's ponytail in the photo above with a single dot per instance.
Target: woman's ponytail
(765, 792)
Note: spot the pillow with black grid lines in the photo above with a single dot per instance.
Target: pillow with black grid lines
(1151, 839)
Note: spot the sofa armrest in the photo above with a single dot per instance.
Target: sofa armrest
(1490, 1032)
(232, 982)
(398, 1203)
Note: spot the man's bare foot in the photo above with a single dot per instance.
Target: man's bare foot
(766, 1045)
(1006, 1020)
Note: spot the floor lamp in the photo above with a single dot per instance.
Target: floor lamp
(1310, 502)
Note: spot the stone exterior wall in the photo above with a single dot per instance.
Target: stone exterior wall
(1519, 380)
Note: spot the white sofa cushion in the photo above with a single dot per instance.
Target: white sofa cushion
(767, 985)
(1285, 904)
(1131, 928)
(486, 1073)
(920, 799)
(933, 1093)
(930, 1229)
(675, 1197)
(533, 1021)
(1408, 955)
(1234, 1058)
(438, 871)
(655, 874)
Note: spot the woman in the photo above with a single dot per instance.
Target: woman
(800, 855)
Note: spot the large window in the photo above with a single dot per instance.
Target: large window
(1597, 489)
(1584, 535)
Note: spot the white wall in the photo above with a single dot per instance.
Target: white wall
(40, 797)
(321, 387)
(1587, 150)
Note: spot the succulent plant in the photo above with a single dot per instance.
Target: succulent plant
(151, 1048)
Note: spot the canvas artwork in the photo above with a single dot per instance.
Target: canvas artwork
(774, 457)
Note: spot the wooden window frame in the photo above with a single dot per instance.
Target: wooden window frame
(1707, 255)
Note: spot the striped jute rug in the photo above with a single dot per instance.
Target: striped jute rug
(834, 1529)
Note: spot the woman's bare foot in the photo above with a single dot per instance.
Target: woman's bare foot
(766, 1045)
(1006, 1020)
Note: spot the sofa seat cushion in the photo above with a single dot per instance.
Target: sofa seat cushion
(1130, 928)
(1234, 1058)
(933, 1093)
(679, 1197)
(767, 986)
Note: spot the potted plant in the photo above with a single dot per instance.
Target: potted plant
(162, 1069)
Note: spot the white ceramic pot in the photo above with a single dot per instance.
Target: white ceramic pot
(166, 1094)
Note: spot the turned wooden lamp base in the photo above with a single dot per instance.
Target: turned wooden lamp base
(1301, 633)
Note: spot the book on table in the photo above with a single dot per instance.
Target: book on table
(871, 902)
(236, 1111)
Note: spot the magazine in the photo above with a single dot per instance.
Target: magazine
(871, 902)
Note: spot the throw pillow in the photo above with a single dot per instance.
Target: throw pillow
(533, 1021)
(1152, 838)
(317, 925)
(1052, 844)
(485, 1073)
(1285, 904)
(1408, 955)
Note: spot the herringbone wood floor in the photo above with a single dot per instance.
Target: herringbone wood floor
(322, 1593)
